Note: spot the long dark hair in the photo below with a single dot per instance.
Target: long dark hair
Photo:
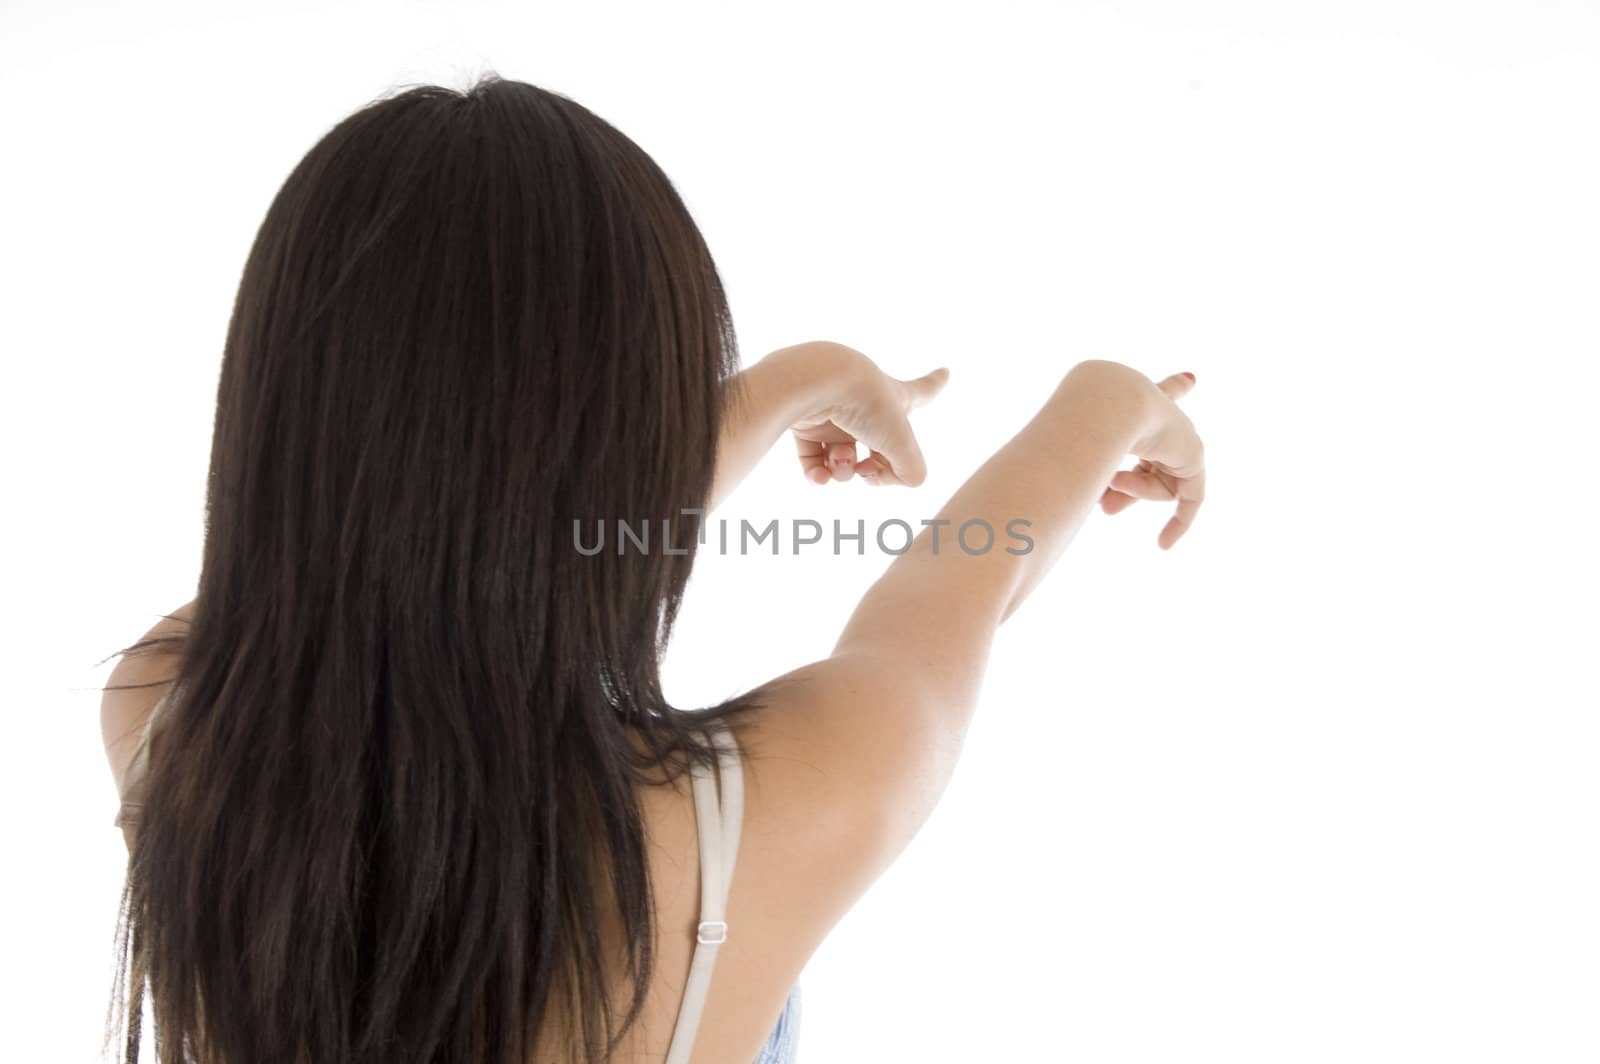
(393, 789)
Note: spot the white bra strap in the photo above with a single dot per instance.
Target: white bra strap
(718, 829)
(138, 766)
(732, 807)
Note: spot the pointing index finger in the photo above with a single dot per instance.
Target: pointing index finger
(920, 389)
(1176, 385)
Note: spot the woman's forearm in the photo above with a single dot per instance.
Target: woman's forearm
(761, 403)
(937, 606)
(1054, 471)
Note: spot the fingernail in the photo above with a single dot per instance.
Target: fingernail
(1186, 373)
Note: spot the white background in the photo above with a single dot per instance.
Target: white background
(1320, 784)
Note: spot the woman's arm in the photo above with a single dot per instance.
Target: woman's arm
(929, 621)
(859, 746)
(759, 405)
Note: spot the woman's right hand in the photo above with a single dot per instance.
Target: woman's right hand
(1171, 458)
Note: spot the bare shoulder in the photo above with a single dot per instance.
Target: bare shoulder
(135, 685)
(841, 771)
(825, 812)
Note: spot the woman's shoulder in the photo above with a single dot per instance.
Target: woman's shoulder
(830, 799)
(133, 689)
(820, 823)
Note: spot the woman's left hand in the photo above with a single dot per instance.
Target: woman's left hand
(866, 406)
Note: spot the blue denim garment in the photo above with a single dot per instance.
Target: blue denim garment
(780, 1047)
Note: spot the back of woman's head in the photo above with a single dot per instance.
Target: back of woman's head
(393, 789)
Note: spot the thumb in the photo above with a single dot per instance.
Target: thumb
(919, 390)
